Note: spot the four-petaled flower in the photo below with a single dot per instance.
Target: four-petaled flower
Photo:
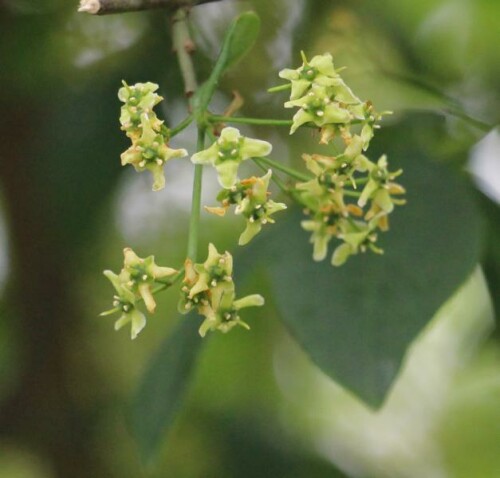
(133, 284)
(150, 152)
(256, 207)
(139, 99)
(125, 302)
(252, 201)
(228, 152)
(209, 288)
(319, 108)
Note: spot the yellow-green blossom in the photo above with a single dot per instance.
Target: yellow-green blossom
(319, 70)
(222, 311)
(256, 207)
(125, 302)
(139, 276)
(228, 152)
(139, 100)
(209, 289)
(252, 201)
(380, 187)
(317, 107)
(358, 236)
(150, 152)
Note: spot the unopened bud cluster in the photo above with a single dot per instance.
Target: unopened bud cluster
(324, 100)
(209, 289)
(149, 149)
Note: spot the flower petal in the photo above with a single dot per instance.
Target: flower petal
(227, 173)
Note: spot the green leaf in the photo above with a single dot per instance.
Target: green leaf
(163, 387)
(356, 321)
(239, 39)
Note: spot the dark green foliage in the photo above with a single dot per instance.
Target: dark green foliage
(357, 321)
(163, 387)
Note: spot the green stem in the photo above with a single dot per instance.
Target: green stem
(276, 89)
(245, 120)
(353, 194)
(184, 46)
(170, 282)
(194, 222)
(181, 126)
(285, 169)
(361, 181)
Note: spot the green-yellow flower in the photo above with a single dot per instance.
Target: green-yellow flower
(139, 276)
(150, 152)
(256, 207)
(358, 236)
(317, 107)
(380, 187)
(139, 100)
(209, 288)
(125, 302)
(228, 152)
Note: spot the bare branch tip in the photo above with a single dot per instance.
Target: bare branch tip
(89, 6)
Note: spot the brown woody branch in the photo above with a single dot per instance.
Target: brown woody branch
(106, 7)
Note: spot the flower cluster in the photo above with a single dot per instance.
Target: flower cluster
(209, 288)
(250, 195)
(251, 198)
(325, 101)
(132, 285)
(149, 149)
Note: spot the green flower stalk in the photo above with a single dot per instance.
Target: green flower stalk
(209, 288)
(228, 152)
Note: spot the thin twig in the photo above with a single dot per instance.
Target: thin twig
(106, 7)
(184, 47)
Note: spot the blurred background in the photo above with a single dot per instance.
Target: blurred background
(257, 407)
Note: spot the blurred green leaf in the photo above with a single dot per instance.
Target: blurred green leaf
(357, 321)
(163, 387)
(239, 39)
(470, 430)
